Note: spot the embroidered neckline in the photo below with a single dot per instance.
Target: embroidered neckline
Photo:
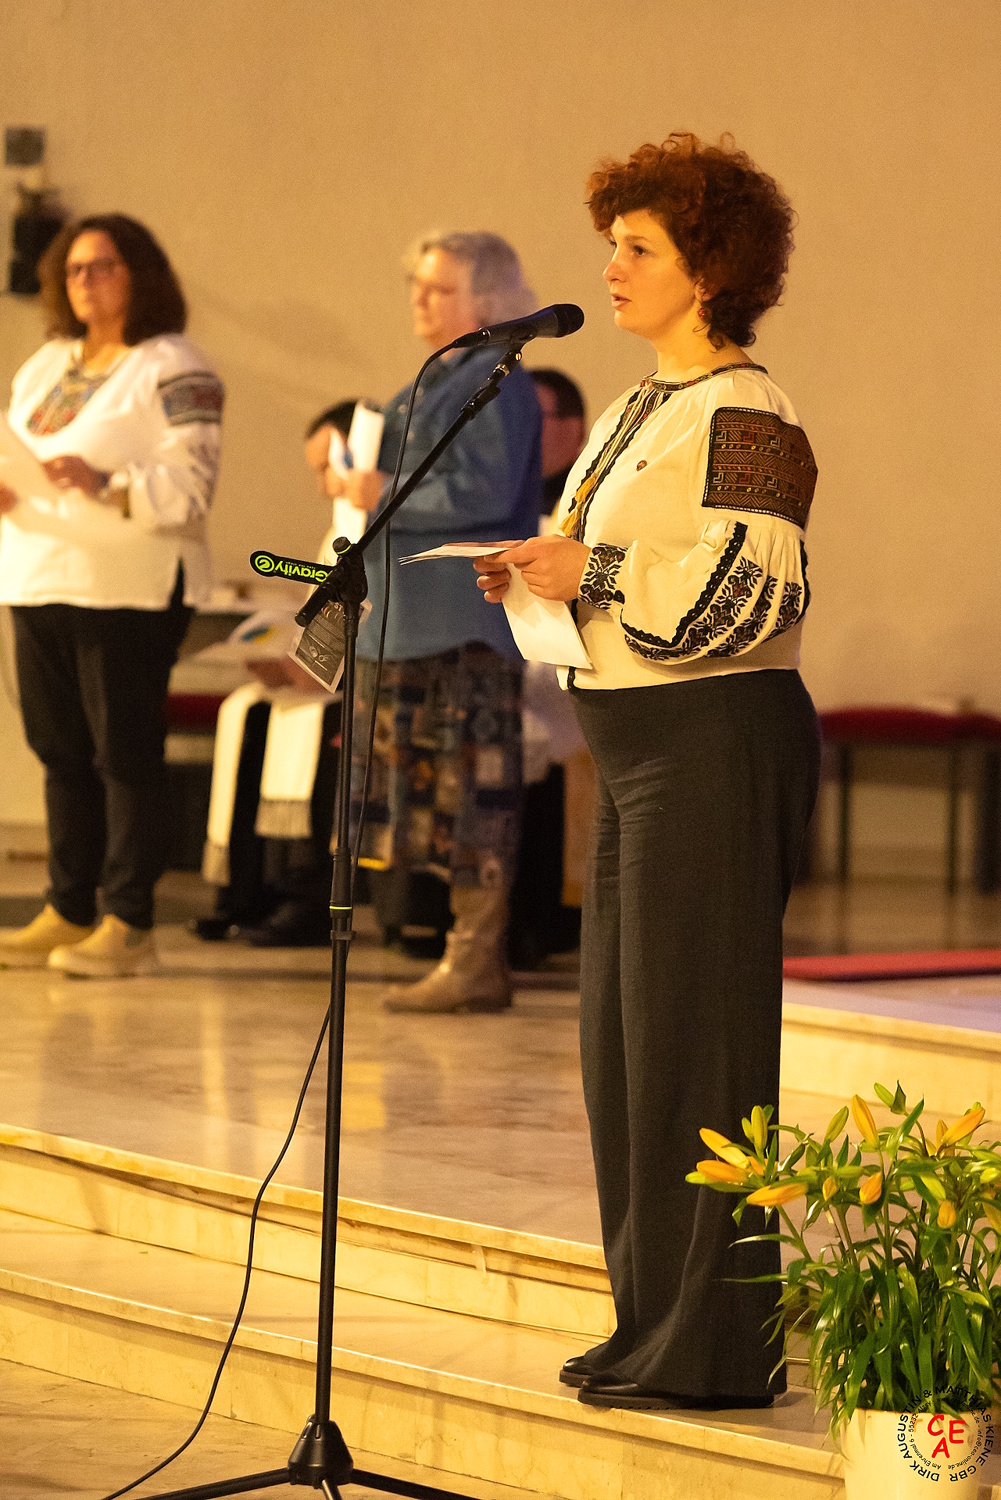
(680, 385)
(64, 401)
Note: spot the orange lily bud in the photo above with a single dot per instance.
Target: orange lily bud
(721, 1171)
(714, 1140)
(940, 1130)
(831, 1186)
(862, 1115)
(946, 1216)
(870, 1190)
(783, 1192)
(964, 1127)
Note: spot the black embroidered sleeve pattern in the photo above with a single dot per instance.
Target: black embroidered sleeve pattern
(194, 397)
(597, 586)
(747, 632)
(790, 610)
(730, 585)
(758, 462)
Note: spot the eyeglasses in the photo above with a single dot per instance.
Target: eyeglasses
(420, 287)
(84, 270)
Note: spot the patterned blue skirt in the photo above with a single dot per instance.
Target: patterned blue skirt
(445, 787)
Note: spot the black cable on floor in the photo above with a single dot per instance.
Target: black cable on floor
(246, 1280)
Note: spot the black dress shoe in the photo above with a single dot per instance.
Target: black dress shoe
(602, 1390)
(293, 925)
(577, 1370)
(211, 929)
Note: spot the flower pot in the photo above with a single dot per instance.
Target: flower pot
(892, 1455)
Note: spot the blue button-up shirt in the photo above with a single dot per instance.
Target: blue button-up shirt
(486, 487)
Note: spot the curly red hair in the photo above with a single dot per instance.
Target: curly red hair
(731, 222)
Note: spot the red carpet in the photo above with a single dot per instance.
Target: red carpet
(848, 966)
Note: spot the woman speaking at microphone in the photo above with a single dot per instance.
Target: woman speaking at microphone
(681, 544)
(123, 412)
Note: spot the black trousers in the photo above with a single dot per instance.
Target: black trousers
(93, 685)
(705, 789)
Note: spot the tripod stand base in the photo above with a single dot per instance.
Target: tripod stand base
(319, 1459)
(265, 1481)
(320, 1454)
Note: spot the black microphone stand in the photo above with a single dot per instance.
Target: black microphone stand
(320, 1457)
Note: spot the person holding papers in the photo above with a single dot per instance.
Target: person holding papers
(102, 560)
(446, 784)
(273, 887)
(681, 543)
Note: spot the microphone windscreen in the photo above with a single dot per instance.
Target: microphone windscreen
(569, 317)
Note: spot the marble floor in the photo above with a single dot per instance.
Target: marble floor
(63, 1437)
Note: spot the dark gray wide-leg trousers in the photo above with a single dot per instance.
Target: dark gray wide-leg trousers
(705, 791)
(93, 685)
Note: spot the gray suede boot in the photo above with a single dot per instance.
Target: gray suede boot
(473, 975)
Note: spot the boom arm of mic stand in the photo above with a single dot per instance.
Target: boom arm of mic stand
(343, 583)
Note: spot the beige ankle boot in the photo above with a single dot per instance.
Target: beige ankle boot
(29, 947)
(114, 951)
(473, 975)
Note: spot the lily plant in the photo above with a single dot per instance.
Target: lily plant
(902, 1304)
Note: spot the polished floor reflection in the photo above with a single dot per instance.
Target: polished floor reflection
(477, 1117)
(472, 1117)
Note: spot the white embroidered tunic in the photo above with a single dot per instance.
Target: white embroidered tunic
(694, 500)
(153, 423)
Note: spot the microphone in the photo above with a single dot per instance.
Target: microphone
(548, 323)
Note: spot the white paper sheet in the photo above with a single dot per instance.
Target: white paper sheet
(361, 452)
(365, 437)
(44, 507)
(20, 469)
(346, 519)
(543, 629)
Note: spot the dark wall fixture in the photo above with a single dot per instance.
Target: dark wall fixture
(38, 218)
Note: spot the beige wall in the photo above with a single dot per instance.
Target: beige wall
(286, 150)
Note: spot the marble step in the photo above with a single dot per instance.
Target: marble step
(508, 1277)
(944, 1048)
(445, 1398)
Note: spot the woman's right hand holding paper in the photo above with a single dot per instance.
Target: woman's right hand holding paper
(552, 567)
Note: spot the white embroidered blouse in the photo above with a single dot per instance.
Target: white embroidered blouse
(693, 499)
(153, 423)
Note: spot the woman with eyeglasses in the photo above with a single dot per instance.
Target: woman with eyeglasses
(680, 542)
(123, 412)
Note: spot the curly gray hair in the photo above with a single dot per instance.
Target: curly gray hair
(497, 280)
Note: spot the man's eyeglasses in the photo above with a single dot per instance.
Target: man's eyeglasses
(83, 270)
(430, 288)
